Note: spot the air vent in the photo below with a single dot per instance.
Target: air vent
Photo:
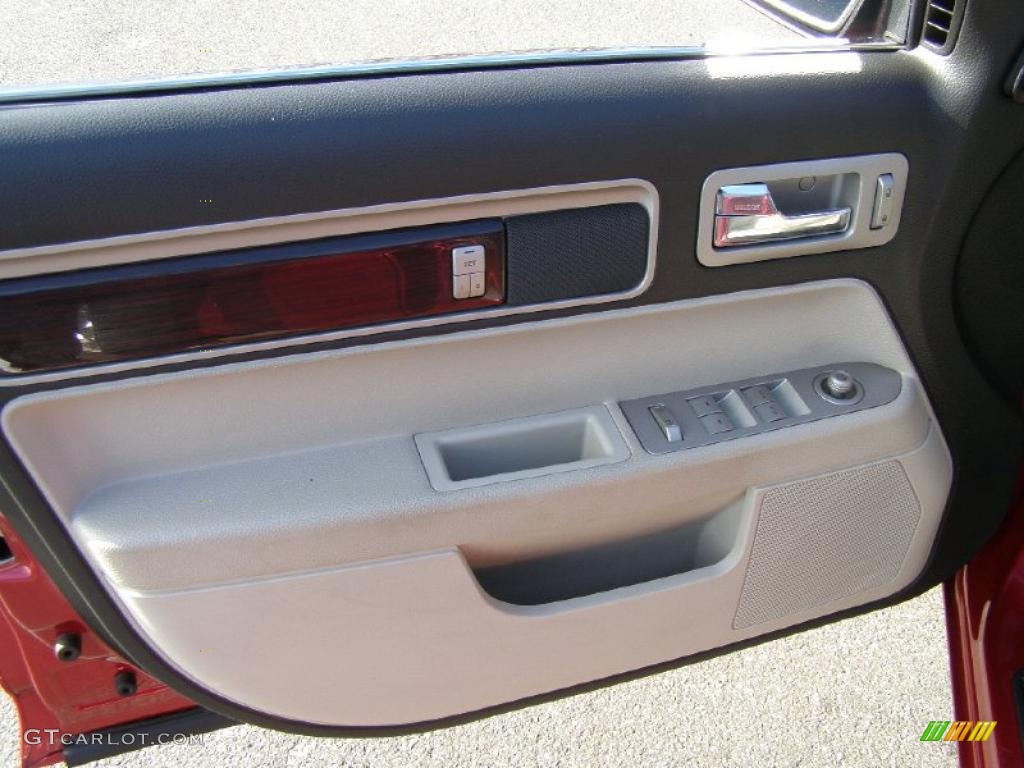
(941, 24)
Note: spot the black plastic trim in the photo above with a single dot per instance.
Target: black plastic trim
(1018, 697)
(990, 285)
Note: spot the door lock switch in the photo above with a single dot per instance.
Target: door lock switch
(667, 423)
(885, 196)
(469, 263)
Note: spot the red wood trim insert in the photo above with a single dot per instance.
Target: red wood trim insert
(198, 302)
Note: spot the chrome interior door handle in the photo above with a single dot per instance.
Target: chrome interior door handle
(745, 214)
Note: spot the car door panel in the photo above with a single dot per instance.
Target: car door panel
(217, 542)
(318, 508)
(264, 505)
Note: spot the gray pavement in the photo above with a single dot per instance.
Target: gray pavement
(854, 693)
(96, 40)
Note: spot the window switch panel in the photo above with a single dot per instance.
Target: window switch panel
(678, 421)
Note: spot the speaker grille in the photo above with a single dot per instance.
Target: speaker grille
(824, 539)
(577, 252)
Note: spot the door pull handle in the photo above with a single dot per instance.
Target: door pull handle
(745, 214)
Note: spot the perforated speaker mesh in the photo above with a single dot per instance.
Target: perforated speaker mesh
(578, 252)
(827, 538)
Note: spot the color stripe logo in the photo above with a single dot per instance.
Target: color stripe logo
(958, 730)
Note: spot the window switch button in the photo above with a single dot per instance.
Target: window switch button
(716, 423)
(758, 394)
(769, 412)
(704, 405)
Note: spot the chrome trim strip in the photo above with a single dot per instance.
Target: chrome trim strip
(61, 92)
(307, 226)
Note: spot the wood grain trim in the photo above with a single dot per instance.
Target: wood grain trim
(171, 306)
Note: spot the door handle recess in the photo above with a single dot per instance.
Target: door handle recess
(745, 214)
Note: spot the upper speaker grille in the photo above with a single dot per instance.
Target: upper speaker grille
(824, 539)
(601, 250)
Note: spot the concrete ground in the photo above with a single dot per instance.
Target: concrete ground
(856, 693)
(97, 40)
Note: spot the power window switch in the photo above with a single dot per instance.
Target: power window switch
(758, 395)
(769, 412)
(716, 423)
(467, 259)
(461, 287)
(704, 405)
(477, 285)
(667, 423)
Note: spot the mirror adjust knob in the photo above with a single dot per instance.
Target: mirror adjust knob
(839, 384)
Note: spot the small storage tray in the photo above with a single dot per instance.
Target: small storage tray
(521, 448)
